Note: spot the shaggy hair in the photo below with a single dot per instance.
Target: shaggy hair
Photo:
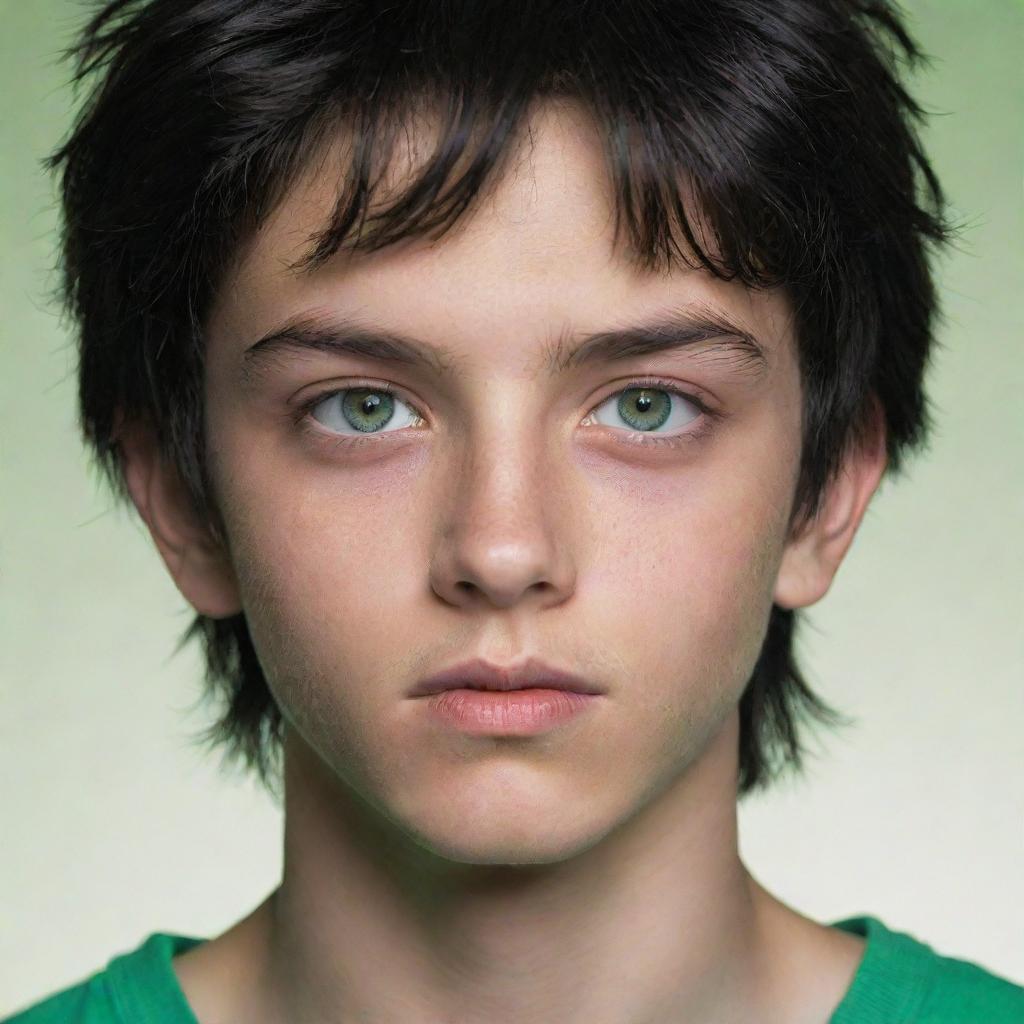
(782, 125)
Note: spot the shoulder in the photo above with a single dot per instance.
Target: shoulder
(134, 986)
(965, 991)
(904, 979)
(87, 1002)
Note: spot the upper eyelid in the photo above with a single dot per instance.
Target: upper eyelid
(308, 404)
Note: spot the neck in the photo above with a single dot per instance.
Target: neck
(371, 926)
(656, 921)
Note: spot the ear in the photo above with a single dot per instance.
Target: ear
(197, 562)
(812, 556)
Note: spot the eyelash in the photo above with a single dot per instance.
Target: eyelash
(705, 425)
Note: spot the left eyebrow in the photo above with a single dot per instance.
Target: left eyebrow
(673, 330)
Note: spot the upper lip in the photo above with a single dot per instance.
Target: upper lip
(483, 675)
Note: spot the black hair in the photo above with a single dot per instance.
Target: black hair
(780, 125)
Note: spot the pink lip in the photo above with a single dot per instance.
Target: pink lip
(509, 713)
(478, 674)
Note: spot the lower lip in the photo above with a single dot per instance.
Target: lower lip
(508, 712)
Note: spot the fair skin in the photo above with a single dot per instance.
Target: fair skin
(589, 874)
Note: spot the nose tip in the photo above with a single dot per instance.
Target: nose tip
(500, 593)
(500, 577)
(482, 566)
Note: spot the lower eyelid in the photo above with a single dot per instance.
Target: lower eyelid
(689, 435)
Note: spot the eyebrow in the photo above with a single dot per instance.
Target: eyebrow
(677, 329)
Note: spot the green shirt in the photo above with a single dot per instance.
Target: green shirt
(899, 981)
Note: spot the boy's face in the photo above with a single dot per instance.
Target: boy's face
(493, 515)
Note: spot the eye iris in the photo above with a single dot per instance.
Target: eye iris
(645, 408)
(362, 404)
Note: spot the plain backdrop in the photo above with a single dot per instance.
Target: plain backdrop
(114, 826)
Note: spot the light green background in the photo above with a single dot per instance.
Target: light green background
(114, 827)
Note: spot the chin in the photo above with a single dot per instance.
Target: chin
(507, 833)
(509, 850)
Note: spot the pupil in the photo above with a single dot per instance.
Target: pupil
(639, 406)
(363, 405)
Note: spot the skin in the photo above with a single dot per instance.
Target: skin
(435, 877)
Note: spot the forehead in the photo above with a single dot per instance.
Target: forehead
(536, 255)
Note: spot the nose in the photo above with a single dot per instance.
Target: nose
(503, 533)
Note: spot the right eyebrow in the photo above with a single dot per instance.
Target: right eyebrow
(343, 337)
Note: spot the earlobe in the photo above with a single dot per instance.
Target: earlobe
(198, 564)
(812, 557)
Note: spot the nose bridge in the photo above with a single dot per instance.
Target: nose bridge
(506, 507)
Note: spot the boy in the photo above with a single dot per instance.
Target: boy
(636, 299)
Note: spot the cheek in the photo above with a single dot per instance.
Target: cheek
(705, 604)
(732, 567)
(322, 608)
(687, 573)
(322, 577)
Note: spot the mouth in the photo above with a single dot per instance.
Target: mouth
(531, 674)
(510, 713)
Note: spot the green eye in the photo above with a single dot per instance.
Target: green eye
(646, 408)
(366, 410)
(641, 409)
